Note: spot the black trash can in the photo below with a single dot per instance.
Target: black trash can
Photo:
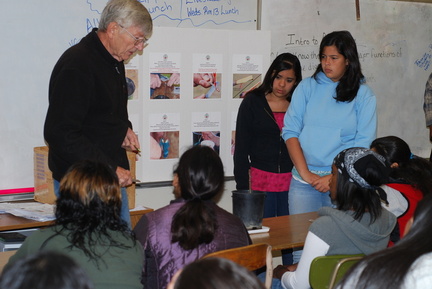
(249, 207)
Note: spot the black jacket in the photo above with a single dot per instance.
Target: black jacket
(87, 115)
(258, 141)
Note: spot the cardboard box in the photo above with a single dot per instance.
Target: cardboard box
(44, 184)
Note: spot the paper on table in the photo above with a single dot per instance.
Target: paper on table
(263, 229)
(139, 208)
(34, 211)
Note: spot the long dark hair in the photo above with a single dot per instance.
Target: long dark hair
(215, 273)
(201, 177)
(284, 61)
(388, 268)
(350, 82)
(89, 205)
(350, 195)
(411, 169)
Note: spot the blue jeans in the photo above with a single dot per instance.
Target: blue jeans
(276, 204)
(124, 211)
(276, 283)
(303, 198)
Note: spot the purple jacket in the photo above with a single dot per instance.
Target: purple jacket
(163, 259)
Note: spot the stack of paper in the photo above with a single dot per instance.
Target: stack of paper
(31, 210)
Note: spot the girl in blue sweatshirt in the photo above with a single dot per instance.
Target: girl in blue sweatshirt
(329, 112)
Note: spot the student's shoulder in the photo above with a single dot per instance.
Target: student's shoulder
(419, 275)
(365, 92)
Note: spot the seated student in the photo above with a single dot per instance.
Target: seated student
(190, 226)
(215, 273)
(410, 179)
(358, 225)
(89, 229)
(45, 270)
(407, 265)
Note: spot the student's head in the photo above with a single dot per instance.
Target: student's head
(127, 13)
(395, 150)
(344, 47)
(89, 206)
(406, 167)
(339, 60)
(200, 173)
(286, 66)
(90, 199)
(357, 174)
(45, 270)
(200, 176)
(215, 273)
(91, 186)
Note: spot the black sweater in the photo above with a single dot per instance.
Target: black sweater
(87, 115)
(258, 141)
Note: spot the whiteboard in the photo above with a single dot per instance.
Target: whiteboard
(36, 32)
(395, 44)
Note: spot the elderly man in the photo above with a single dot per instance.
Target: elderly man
(87, 116)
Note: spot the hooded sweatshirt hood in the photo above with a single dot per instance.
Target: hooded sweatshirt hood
(345, 235)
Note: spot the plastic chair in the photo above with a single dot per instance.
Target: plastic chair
(252, 257)
(326, 271)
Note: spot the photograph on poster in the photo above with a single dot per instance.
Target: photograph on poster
(207, 138)
(206, 85)
(164, 75)
(164, 85)
(164, 135)
(243, 83)
(207, 77)
(206, 129)
(164, 145)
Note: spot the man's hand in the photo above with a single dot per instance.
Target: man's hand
(124, 176)
(131, 142)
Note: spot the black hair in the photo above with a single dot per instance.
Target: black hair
(201, 178)
(351, 196)
(45, 270)
(216, 273)
(388, 268)
(89, 207)
(284, 61)
(350, 82)
(410, 169)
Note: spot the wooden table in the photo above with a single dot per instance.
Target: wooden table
(10, 222)
(285, 232)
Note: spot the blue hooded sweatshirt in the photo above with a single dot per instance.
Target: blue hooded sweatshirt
(324, 126)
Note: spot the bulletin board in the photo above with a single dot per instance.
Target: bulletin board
(178, 117)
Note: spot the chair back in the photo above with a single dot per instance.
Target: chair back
(252, 257)
(326, 271)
